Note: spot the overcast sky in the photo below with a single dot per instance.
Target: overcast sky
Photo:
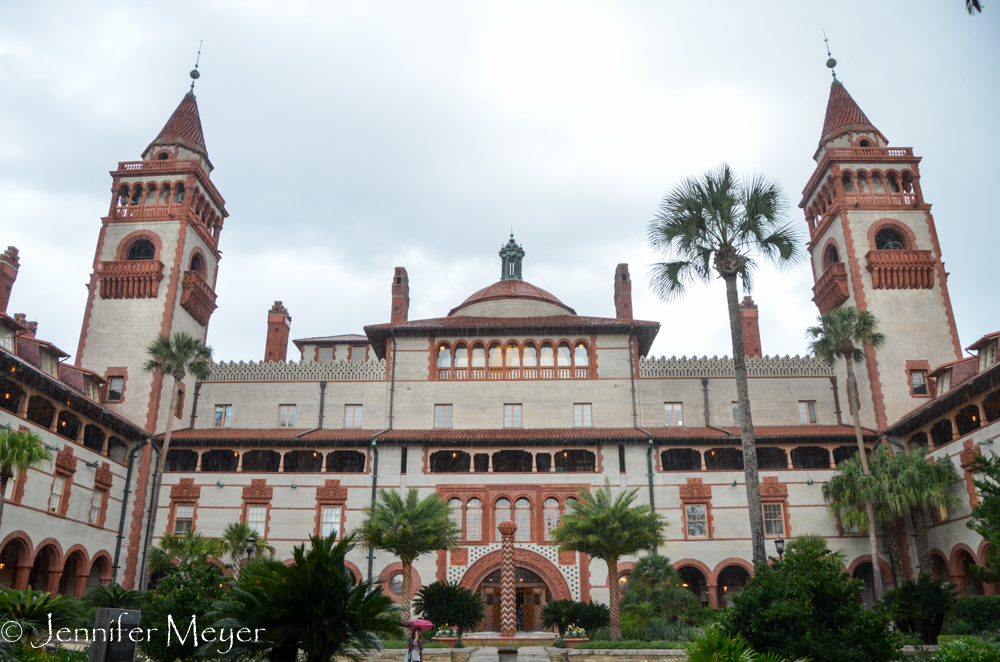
(352, 137)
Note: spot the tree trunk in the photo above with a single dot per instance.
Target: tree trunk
(615, 597)
(750, 472)
(923, 544)
(3, 493)
(407, 586)
(161, 465)
(896, 552)
(852, 395)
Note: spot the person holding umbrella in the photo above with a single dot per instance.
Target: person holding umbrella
(415, 646)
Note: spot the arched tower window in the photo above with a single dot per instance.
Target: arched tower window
(151, 195)
(877, 185)
(179, 194)
(164, 194)
(198, 264)
(163, 156)
(865, 143)
(522, 517)
(848, 182)
(893, 182)
(889, 239)
(141, 249)
(830, 256)
(136, 195)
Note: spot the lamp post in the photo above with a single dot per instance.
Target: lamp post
(779, 545)
(250, 547)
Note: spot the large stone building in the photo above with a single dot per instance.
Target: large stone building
(513, 402)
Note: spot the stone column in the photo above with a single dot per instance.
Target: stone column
(508, 594)
(21, 576)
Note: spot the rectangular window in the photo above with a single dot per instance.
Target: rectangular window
(96, 504)
(352, 416)
(93, 389)
(774, 522)
(358, 354)
(582, 416)
(183, 519)
(807, 412)
(324, 354)
(223, 416)
(286, 416)
(944, 382)
(442, 416)
(697, 520)
(50, 364)
(675, 413)
(116, 385)
(55, 499)
(331, 521)
(918, 381)
(7, 338)
(987, 356)
(736, 413)
(511, 416)
(257, 519)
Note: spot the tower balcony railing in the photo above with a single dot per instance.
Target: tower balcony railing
(883, 199)
(512, 373)
(130, 279)
(157, 165)
(869, 152)
(901, 270)
(831, 289)
(197, 297)
(149, 211)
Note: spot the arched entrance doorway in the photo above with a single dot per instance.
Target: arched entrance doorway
(45, 567)
(694, 580)
(731, 581)
(12, 557)
(531, 594)
(865, 574)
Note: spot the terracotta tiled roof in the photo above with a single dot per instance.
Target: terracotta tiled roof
(843, 115)
(951, 364)
(957, 396)
(379, 333)
(237, 433)
(985, 340)
(333, 435)
(511, 289)
(184, 126)
(803, 431)
(346, 338)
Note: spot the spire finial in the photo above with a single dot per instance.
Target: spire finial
(511, 256)
(194, 72)
(830, 62)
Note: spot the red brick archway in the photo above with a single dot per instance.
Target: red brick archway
(536, 563)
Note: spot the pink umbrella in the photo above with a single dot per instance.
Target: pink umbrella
(419, 624)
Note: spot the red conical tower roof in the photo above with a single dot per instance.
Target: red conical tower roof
(183, 128)
(843, 115)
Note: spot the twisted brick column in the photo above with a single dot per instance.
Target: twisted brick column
(508, 595)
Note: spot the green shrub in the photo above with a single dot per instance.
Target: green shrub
(974, 614)
(187, 592)
(627, 644)
(716, 645)
(587, 615)
(969, 649)
(920, 606)
(444, 603)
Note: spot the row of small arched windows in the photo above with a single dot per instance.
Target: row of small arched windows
(144, 249)
(862, 183)
(165, 194)
(469, 516)
(513, 355)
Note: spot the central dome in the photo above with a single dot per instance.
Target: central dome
(512, 298)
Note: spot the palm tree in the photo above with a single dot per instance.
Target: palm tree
(174, 357)
(924, 485)
(719, 226)
(608, 529)
(973, 7)
(233, 544)
(846, 332)
(312, 605)
(112, 596)
(408, 528)
(191, 548)
(18, 450)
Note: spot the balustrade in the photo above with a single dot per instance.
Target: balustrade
(130, 279)
(831, 289)
(197, 297)
(901, 270)
(509, 374)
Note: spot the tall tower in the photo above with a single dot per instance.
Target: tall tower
(155, 266)
(873, 245)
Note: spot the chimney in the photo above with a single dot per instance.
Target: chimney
(623, 293)
(751, 332)
(8, 274)
(279, 324)
(400, 296)
(31, 327)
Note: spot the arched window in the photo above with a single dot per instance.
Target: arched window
(581, 357)
(522, 517)
(888, 239)
(848, 183)
(478, 356)
(501, 513)
(548, 356)
(877, 185)
(907, 181)
(830, 256)
(151, 195)
(123, 196)
(513, 356)
(179, 194)
(141, 249)
(550, 513)
(865, 143)
(564, 356)
(863, 183)
(461, 356)
(163, 156)
(474, 520)
(444, 357)
(198, 264)
(496, 356)
(530, 356)
(456, 512)
(164, 194)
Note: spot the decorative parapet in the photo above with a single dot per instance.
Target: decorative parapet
(130, 279)
(831, 289)
(303, 371)
(758, 366)
(901, 270)
(197, 297)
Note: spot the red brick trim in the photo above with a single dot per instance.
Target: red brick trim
(695, 493)
(179, 408)
(966, 457)
(902, 228)
(397, 569)
(331, 494)
(924, 366)
(774, 491)
(536, 563)
(108, 374)
(867, 558)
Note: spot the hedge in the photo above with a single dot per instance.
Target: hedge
(974, 614)
(630, 645)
